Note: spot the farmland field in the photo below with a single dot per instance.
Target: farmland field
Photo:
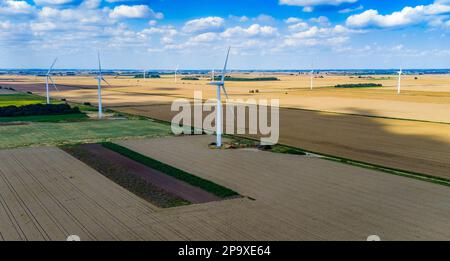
(44, 133)
(409, 131)
(19, 99)
(47, 195)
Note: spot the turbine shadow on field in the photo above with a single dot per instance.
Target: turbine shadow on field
(408, 145)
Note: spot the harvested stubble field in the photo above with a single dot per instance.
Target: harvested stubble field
(421, 143)
(408, 145)
(46, 195)
(427, 98)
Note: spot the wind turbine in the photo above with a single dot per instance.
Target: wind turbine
(47, 78)
(311, 76)
(99, 81)
(212, 75)
(399, 81)
(220, 85)
(175, 75)
(144, 75)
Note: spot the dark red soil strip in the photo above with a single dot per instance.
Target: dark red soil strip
(157, 178)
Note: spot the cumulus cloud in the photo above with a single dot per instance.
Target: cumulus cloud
(301, 26)
(316, 35)
(314, 2)
(322, 20)
(134, 12)
(205, 37)
(406, 16)
(252, 31)
(351, 10)
(206, 24)
(11, 7)
(52, 2)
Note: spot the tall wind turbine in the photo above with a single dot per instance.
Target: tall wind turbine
(311, 77)
(220, 85)
(144, 75)
(47, 78)
(212, 75)
(99, 81)
(399, 83)
(175, 75)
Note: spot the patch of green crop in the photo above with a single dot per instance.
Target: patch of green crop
(204, 184)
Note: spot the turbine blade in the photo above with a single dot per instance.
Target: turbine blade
(51, 67)
(103, 79)
(99, 62)
(53, 83)
(225, 66)
(224, 90)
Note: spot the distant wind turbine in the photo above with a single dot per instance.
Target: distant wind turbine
(144, 74)
(49, 77)
(399, 83)
(175, 74)
(311, 76)
(220, 85)
(99, 81)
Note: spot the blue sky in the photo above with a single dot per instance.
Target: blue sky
(264, 34)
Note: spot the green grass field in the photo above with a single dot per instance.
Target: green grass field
(19, 99)
(90, 131)
(46, 118)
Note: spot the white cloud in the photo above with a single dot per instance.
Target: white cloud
(11, 7)
(308, 9)
(52, 2)
(134, 11)
(298, 26)
(206, 24)
(315, 35)
(321, 20)
(241, 19)
(252, 31)
(407, 16)
(314, 2)
(152, 22)
(205, 37)
(293, 20)
(90, 4)
(351, 10)
(264, 19)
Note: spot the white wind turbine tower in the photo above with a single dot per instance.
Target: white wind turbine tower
(175, 74)
(144, 75)
(47, 78)
(399, 83)
(220, 85)
(311, 77)
(99, 81)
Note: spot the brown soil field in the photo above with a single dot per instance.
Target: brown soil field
(45, 194)
(157, 178)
